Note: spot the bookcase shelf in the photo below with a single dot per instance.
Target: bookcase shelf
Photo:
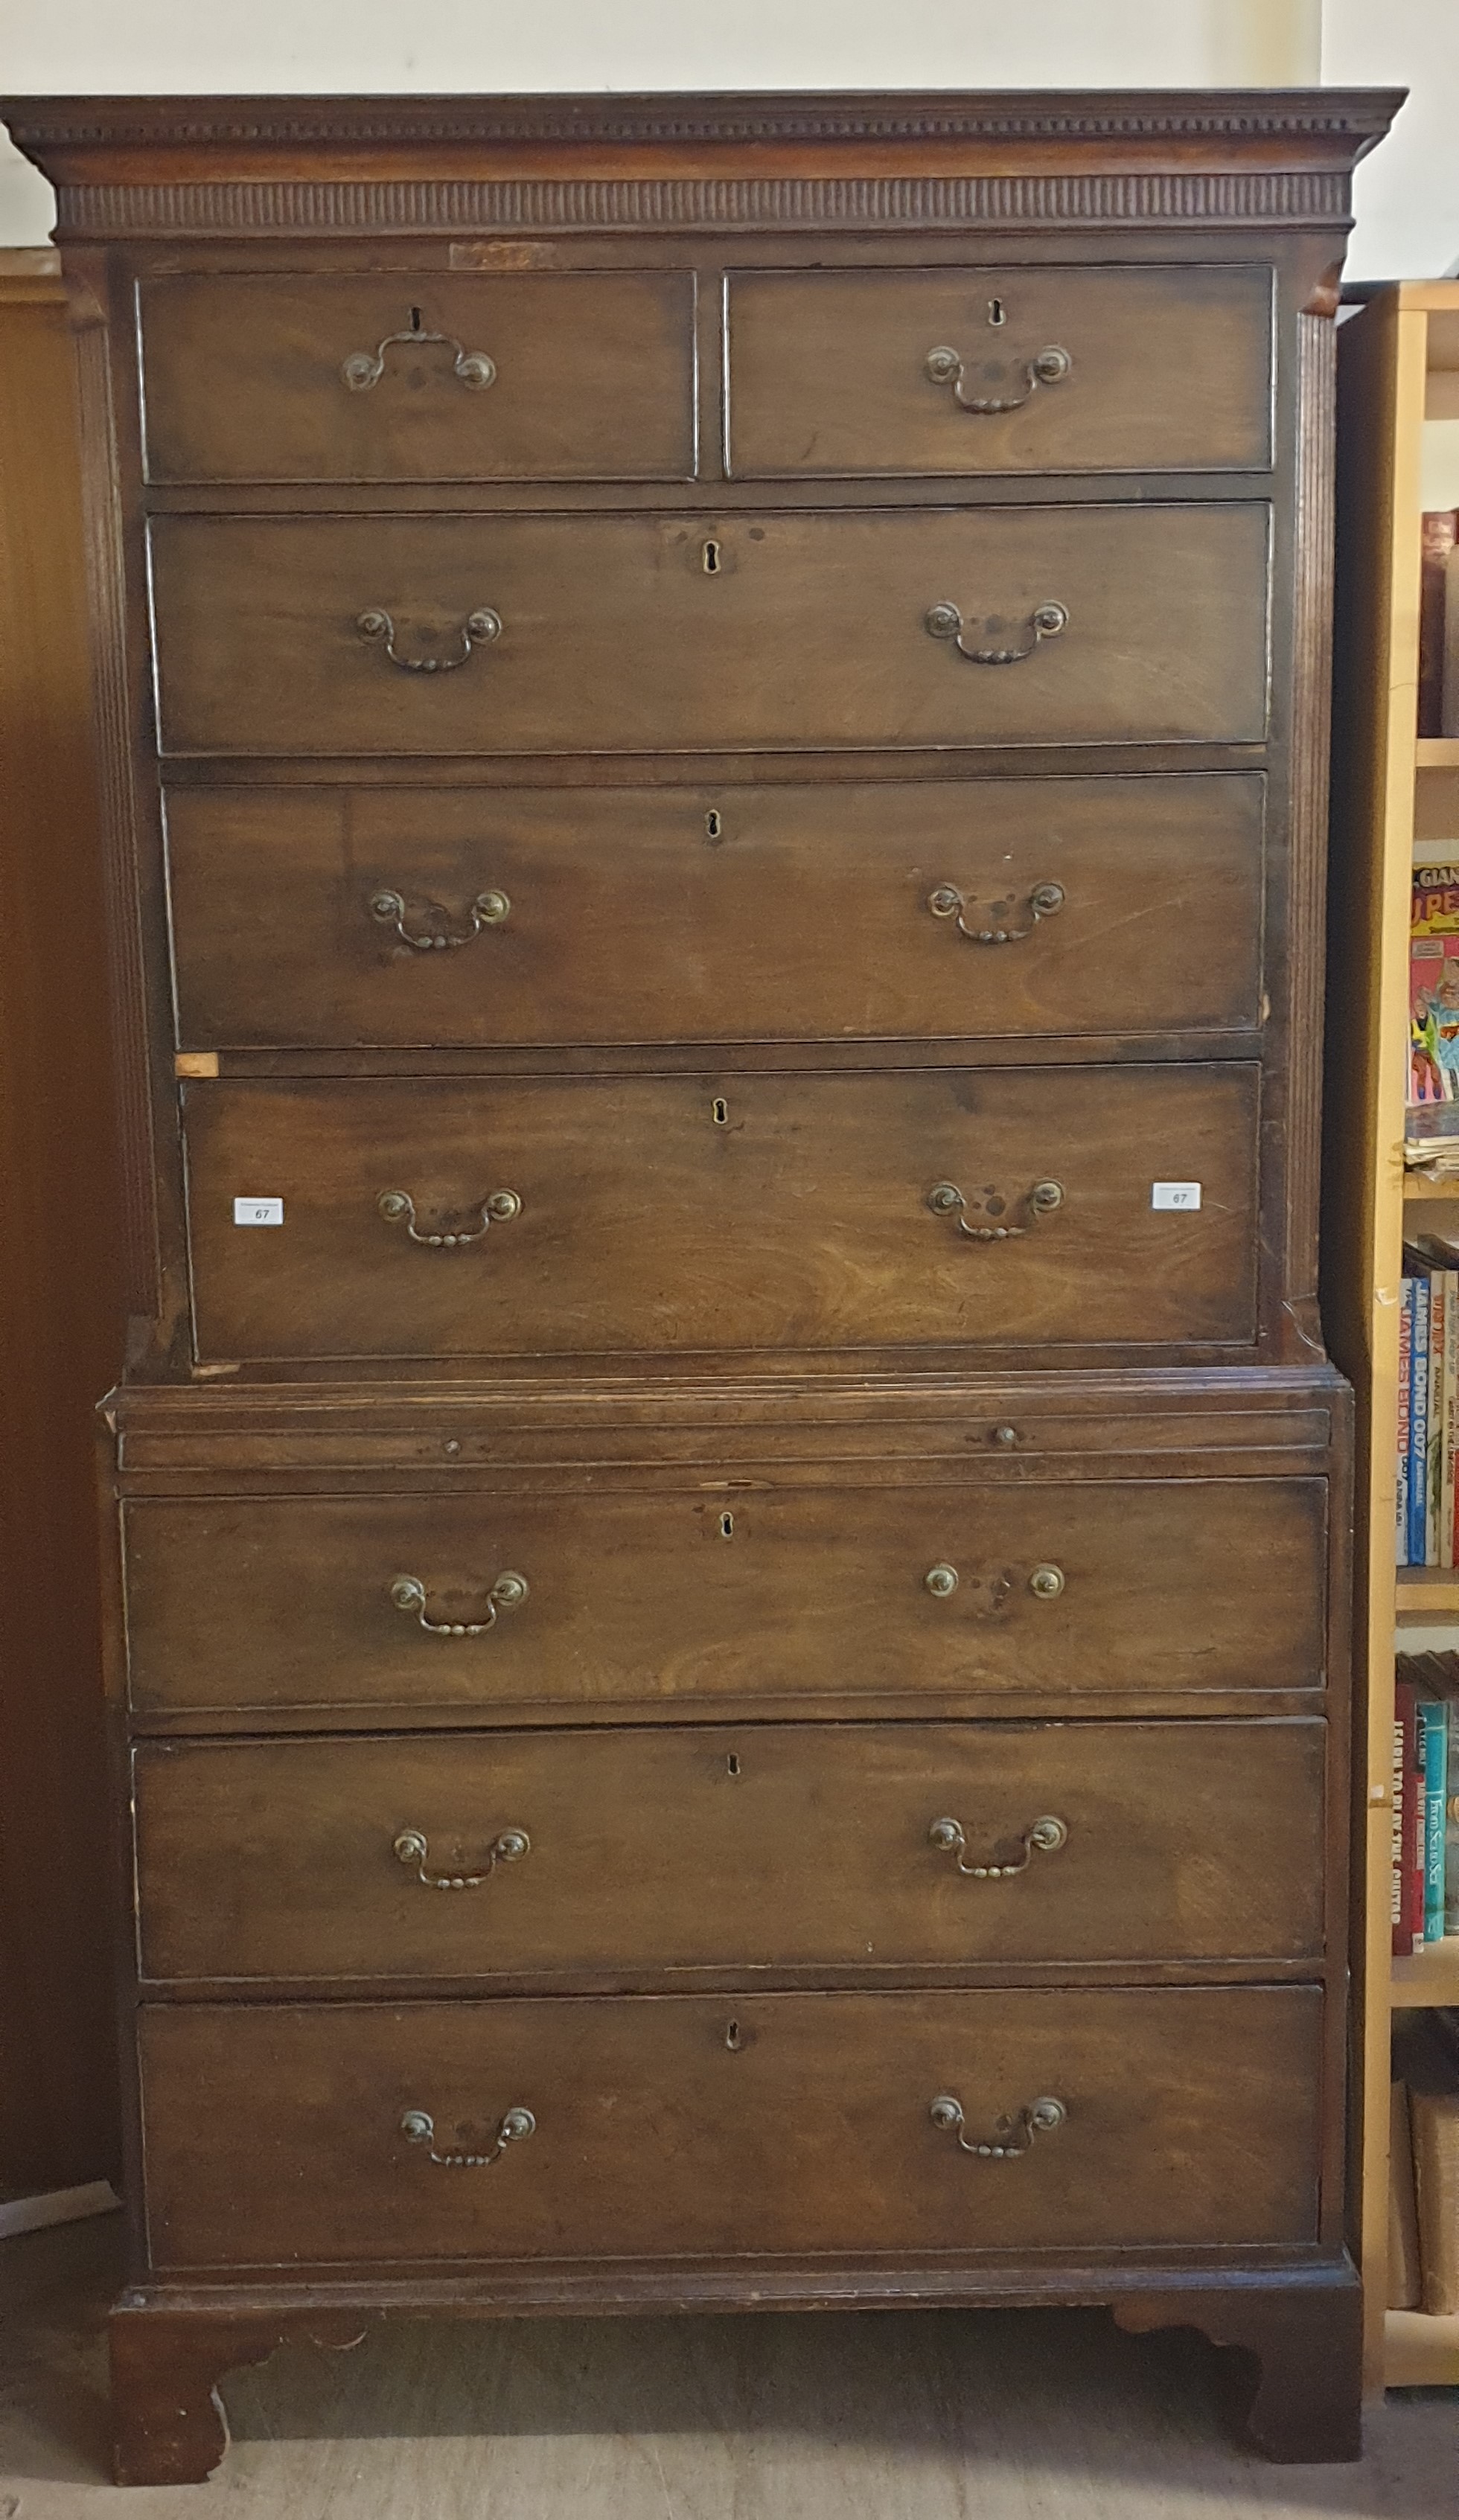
(1420, 2351)
(1394, 797)
(1429, 1976)
(1427, 1591)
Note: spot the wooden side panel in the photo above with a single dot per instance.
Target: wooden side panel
(59, 1261)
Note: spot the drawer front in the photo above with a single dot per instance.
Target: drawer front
(1011, 371)
(678, 634)
(240, 1603)
(761, 2124)
(636, 1854)
(689, 1214)
(417, 377)
(1013, 907)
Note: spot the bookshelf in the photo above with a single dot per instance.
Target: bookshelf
(1394, 800)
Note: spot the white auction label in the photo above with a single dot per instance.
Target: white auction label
(257, 1211)
(1185, 1194)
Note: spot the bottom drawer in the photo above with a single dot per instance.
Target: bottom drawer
(668, 2126)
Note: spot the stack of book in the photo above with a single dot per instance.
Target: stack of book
(1424, 2165)
(1425, 1897)
(1438, 624)
(1426, 1501)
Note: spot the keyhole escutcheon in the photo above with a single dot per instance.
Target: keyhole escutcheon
(712, 559)
(995, 311)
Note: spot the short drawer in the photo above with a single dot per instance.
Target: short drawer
(985, 1208)
(1084, 1589)
(636, 1856)
(1000, 371)
(420, 376)
(620, 634)
(326, 917)
(761, 2124)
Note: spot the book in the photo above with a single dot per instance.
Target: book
(1432, 1465)
(1450, 1420)
(1408, 1900)
(1418, 1424)
(1406, 2266)
(1433, 983)
(1440, 532)
(1433, 1714)
(1449, 721)
(1405, 1379)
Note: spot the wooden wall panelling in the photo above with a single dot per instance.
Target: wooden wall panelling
(59, 1269)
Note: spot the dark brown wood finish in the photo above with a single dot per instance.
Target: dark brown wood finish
(1141, 371)
(1085, 907)
(724, 1390)
(776, 1848)
(780, 2122)
(695, 634)
(724, 1590)
(775, 1212)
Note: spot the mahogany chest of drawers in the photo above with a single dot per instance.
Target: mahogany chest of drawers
(728, 1513)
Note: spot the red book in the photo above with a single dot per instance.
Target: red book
(1441, 533)
(1408, 1785)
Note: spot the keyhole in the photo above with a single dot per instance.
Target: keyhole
(713, 825)
(712, 560)
(732, 2036)
(732, 1765)
(995, 311)
(727, 1532)
(720, 1109)
(414, 319)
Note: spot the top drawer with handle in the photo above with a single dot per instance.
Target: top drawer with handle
(998, 372)
(419, 376)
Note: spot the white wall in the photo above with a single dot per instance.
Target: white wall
(196, 46)
(1406, 194)
(1407, 198)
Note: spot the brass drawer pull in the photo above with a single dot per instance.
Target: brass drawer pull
(1048, 366)
(419, 2127)
(365, 368)
(475, 630)
(1047, 1836)
(397, 1207)
(945, 621)
(1041, 2117)
(1047, 1583)
(489, 909)
(412, 1846)
(508, 1593)
(944, 1198)
(1045, 900)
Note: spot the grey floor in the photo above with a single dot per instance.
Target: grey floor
(990, 2415)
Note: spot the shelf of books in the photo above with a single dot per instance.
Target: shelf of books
(1390, 1276)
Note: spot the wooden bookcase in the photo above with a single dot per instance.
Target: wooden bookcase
(1395, 801)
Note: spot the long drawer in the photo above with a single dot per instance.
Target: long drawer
(640, 1855)
(1084, 1589)
(420, 375)
(1075, 1208)
(788, 632)
(1033, 907)
(1019, 369)
(314, 2136)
